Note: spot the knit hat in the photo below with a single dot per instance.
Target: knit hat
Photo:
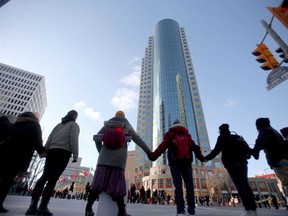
(262, 122)
(224, 129)
(177, 121)
(120, 113)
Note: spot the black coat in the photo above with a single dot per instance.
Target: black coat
(17, 152)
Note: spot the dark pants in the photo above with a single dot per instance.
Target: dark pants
(178, 173)
(238, 173)
(55, 164)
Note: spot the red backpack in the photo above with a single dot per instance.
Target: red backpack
(182, 147)
(114, 136)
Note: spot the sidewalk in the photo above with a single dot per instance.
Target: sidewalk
(17, 205)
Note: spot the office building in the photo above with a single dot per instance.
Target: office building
(168, 91)
(21, 91)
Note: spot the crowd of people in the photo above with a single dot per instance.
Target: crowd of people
(25, 136)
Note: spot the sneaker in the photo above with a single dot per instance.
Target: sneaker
(43, 211)
(181, 214)
(3, 210)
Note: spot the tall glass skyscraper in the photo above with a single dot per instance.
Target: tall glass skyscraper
(168, 91)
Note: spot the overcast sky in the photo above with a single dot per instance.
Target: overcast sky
(90, 53)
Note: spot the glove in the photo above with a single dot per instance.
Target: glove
(152, 156)
(201, 158)
(42, 155)
(74, 160)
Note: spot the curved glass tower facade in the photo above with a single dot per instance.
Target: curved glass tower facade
(171, 95)
(168, 91)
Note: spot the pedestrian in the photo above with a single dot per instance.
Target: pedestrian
(142, 195)
(5, 127)
(284, 132)
(109, 174)
(17, 150)
(61, 144)
(87, 190)
(180, 167)
(133, 193)
(272, 143)
(236, 165)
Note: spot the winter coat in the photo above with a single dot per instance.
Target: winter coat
(271, 141)
(26, 137)
(65, 136)
(118, 157)
(167, 143)
(225, 146)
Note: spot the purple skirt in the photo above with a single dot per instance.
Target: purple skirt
(111, 180)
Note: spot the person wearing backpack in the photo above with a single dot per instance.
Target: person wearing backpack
(110, 171)
(180, 160)
(272, 143)
(235, 161)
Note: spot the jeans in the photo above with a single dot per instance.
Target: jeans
(185, 172)
(238, 173)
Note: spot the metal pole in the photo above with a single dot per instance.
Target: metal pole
(276, 37)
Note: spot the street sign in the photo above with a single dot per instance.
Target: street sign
(277, 76)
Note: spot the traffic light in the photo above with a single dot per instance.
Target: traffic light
(282, 54)
(266, 57)
(281, 12)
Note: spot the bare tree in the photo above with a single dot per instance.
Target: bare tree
(222, 181)
(36, 167)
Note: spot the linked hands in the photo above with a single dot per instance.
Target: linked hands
(152, 156)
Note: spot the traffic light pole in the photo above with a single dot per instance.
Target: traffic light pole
(276, 37)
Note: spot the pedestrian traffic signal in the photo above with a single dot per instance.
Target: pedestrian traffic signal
(266, 57)
(282, 54)
(281, 12)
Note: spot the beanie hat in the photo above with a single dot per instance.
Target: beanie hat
(176, 121)
(120, 113)
(262, 122)
(224, 127)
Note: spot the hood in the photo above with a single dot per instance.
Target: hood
(178, 128)
(262, 122)
(26, 117)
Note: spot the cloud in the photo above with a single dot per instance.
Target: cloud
(80, 104)
(91, 113)
(125, 99)
(132, 79)
(87, 110)
(230, 103)
(134, 60)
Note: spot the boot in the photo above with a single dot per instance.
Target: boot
(32, 208)
(121, 207)
(92, 196)
(2, 198)
(3, 210)
(43, 209)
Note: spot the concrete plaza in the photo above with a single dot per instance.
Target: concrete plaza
(17, 205)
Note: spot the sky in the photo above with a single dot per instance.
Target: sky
(90, 53)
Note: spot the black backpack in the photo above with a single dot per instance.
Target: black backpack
(238, 147)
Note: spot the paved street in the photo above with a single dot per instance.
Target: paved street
(64, 207)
